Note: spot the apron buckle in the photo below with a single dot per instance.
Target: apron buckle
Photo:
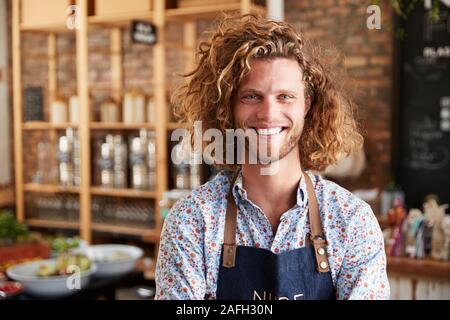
(229, 255)
(320, 246)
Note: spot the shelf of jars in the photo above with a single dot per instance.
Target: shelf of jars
(56, 195)
(48, 209)
(116, 214)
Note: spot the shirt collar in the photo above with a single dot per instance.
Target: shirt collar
(240, 194)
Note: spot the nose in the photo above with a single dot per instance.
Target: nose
(267, 109)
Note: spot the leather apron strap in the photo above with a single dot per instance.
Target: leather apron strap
(316, 237)
(229, 242)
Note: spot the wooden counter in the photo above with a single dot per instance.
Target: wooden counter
(418, 268)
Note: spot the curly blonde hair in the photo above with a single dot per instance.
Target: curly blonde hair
(330, 129)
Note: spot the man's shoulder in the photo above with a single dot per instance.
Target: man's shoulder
(339, 198)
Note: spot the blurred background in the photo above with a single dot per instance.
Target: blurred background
(85, 125)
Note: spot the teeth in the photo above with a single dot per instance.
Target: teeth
(269, 131)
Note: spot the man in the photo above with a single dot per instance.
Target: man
(289, 234)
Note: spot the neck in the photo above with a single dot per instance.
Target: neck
(274, 193)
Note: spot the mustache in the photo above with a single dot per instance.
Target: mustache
(248, 125)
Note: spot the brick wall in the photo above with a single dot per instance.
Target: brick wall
(339, 26)
(365, 57)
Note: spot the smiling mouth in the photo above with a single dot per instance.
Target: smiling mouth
(269, 131)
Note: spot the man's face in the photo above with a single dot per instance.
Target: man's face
(271, 100)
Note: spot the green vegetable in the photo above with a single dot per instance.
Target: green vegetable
(10, 229)
(46, 271)
(63, 262)
(63, 244)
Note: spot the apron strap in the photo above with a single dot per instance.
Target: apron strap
(229, 243)
(317, 238)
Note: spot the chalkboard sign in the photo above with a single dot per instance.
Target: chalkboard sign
(424, 137)
(143, 32)
(33, 104)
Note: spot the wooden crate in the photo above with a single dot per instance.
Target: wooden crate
(117, 7)
(41, 12)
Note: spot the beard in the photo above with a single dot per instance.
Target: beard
(266, 151)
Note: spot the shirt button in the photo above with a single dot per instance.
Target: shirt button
(321, 251)
(323, 265)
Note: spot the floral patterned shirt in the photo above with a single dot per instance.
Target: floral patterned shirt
(192, 237)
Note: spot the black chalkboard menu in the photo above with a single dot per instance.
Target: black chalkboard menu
(424, 131)
(143, 32)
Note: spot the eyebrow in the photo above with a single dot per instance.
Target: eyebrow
(251, 90)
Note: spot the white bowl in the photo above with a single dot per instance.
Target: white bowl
(103, 256)
(48, 287)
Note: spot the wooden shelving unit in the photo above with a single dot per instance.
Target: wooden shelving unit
(159, 16)
(121, 126)
(6, 196)
(41, 125)
(52, 224)
(53, 27)
(48, 188)
(127, 193)
(149, 235)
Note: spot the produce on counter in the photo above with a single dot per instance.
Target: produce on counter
(63, 244)
(63, 262)
(10, 229)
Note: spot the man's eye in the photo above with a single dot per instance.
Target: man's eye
(251, 97)
(285, 97)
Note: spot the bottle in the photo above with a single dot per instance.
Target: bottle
(138, 165)
(127, 108)
(134, 107)
(151, 110)
(109, 111)
(107, 163)
(151, 160)
(120, 163)
(58, 111)
(65, 165)
(74, 110)
(43, 163)
(139, 108)
(76, 160)
(74, 156)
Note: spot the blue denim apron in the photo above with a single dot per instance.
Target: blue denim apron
(248, 273)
